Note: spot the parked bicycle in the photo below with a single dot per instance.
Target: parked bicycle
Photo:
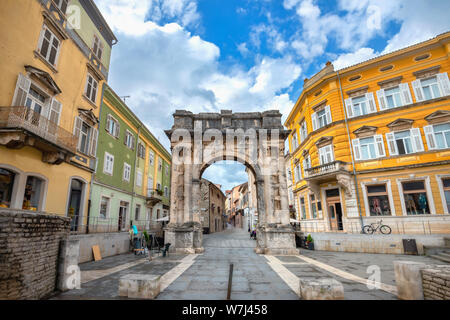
(377, 226)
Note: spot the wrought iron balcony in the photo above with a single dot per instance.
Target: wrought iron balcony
(154, 196)
(327, 169)
(21, 126)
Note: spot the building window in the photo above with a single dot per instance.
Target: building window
(108, 165)
(378, 200)
(87, 137)
(129, 140)
(438, 136)
(151, 157)
(159, 165)
(32, 195)
(415, 196)
(166, 168)
(394, 97)
(139, 178)
(321, 118)
(137, 212)
(361, 105)
(158, 186)
(91, 88)
(61, 4)
(166, 191)
(112, 126)
(306, 163)
(432, 87)
(404, 142)
(6, 187)
(141, 151)
(326, 154)
(303, 131)
(303, 207)
(104, 207)
(126, 172)
(294, 141)
(297, 173)
(149, 186)
(97, 47)
(369, 148)
(49, 46)
(315, 205)
(446, 186)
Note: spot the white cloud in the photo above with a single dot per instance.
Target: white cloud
(242, 48)
(220, 172)
(165, 67)
(349, 59)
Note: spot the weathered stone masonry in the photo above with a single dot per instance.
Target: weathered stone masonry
(436, 283)
(29, 248)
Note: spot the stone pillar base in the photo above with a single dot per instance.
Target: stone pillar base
(184, 239)
(276, 240)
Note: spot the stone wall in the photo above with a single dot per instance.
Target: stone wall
(29, 247)
(110, 244)
(376, 243)
(436, 283)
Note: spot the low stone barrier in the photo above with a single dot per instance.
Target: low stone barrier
(436, 283)
(29, 247)
(140, 286)
(418, 281)
(321, 289)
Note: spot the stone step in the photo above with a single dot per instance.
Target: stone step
(444, 254)
(440, 257)
(429, 250)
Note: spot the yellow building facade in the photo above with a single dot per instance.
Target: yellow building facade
(372, 142)
(54, 59)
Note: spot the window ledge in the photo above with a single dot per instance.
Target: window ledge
(89, 101)
(48, 64)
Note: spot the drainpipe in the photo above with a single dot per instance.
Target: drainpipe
(96, 159)
(134, 178)
(351, 153)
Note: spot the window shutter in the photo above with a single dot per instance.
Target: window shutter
(295, 174)
(93, 144)
(417, 86)
(417, 140)
(356, 149)
(22, 87)
(117, 132)
(314, 121)
(390, 138)
(444, 83)
(381, 99)
(77, 129)
(299, 171)
(132, 142)
(330, 153)
(126, 137)
(405, 93)
(55, 111)
(105, 164)
(349, 107)
(64, 6)
(328, 114)
(429, 136)
(371, 101)
(380, 146)
(108, 123)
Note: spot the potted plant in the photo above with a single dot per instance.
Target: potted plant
(147, 239)
(309, 242)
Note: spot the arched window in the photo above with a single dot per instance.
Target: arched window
(32, 197)
(6, 187)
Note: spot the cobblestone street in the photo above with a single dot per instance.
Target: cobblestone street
(255, 277)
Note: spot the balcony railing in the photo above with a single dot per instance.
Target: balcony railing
(154, 196)
(324, 169)
(26, 119)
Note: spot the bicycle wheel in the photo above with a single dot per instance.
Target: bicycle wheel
(367, 229)
(384, 229)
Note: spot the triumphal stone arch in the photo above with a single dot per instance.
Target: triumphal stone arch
(255, 139)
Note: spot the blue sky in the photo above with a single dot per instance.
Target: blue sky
(248, 55)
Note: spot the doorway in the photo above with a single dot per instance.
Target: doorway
(334, 209)
(74, 210)
(122, 215)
